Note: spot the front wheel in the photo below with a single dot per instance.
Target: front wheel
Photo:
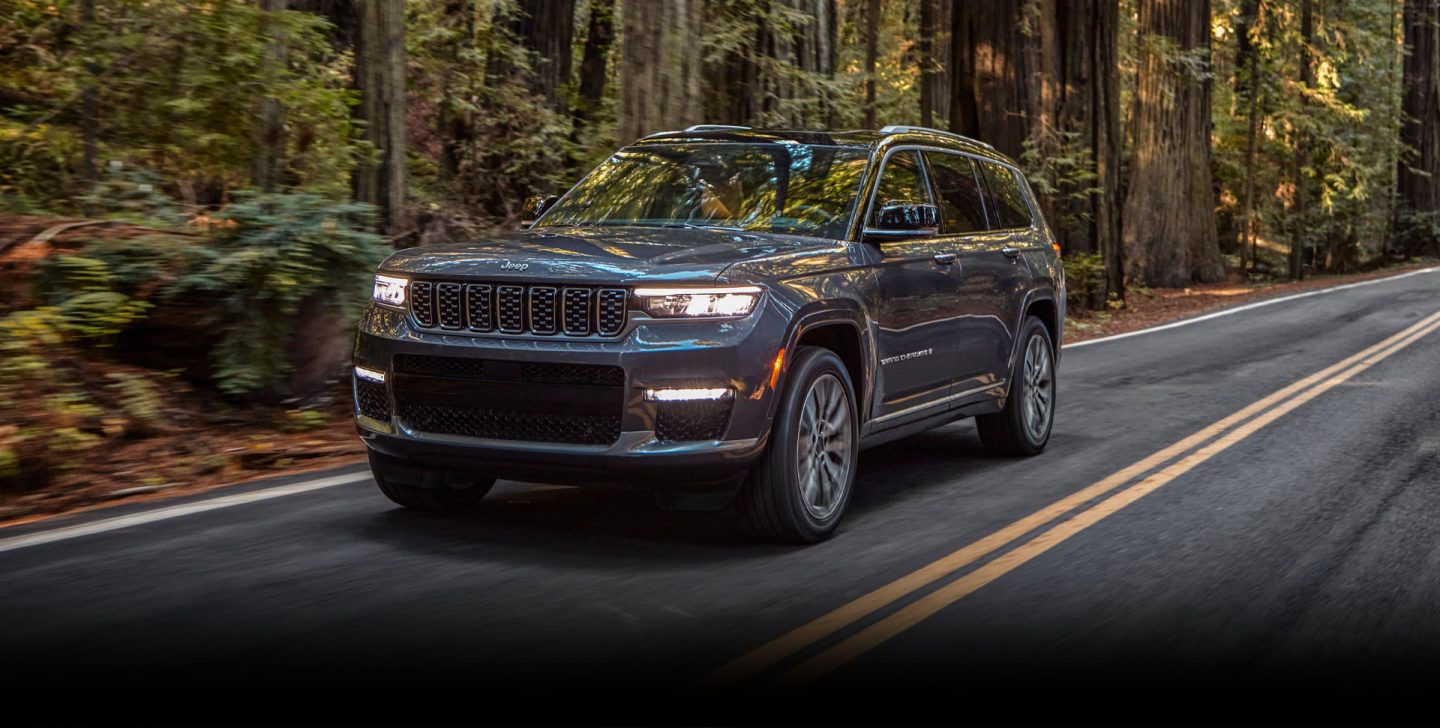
(799, 489)
(1023, 427)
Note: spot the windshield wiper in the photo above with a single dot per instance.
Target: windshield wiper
(693, 226)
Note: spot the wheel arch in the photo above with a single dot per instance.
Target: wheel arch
(837, 327)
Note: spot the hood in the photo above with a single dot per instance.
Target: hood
(602, 255)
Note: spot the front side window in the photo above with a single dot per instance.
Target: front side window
(1008, 208)
(798, 189)
(959, 191)
(902, 181)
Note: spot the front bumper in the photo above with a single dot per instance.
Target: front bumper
(735, 354)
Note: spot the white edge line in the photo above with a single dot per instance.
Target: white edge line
(163, 514)
(1247, 307)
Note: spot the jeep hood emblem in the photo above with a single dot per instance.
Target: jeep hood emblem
(507, 265)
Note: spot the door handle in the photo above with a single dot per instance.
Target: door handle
(944, 258)
(1010, 252)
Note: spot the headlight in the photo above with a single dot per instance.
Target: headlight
(390, 291)
(698, 302)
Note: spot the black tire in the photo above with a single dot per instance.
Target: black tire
(451, 491)
(773, 504)
(1008, 432)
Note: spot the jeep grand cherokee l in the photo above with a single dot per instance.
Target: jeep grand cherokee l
(721, 312)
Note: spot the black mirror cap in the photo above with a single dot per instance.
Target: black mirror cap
(536, 206)
(905, 220)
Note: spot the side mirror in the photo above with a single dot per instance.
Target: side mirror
(536, 206)
(901, 220)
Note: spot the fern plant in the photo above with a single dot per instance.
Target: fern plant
(275, 253)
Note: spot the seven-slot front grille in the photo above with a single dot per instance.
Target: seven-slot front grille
(518, 309)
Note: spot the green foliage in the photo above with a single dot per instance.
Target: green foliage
(1061, 169)
(177, 87)
(134, 193)
(1085, 281)
(139, 398)
(303, 420)
(40, 408)
(85, 300)
(500, 142)
(270, 255)
(1326, 151)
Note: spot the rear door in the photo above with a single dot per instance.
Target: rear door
(917, 308)
(965, 231)
(1005, 276)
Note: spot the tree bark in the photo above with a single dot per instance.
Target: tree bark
(872, 54)
(992, 73)
(660, 63)
(380, 76)
(1418, 180)
(547, 29)
(593, 71)
(1169, 217)
(1300, 228)
(89, 101)
(268, 164)
(452, 124)
(926, 45)
(1247, 91)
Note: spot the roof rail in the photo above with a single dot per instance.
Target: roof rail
(903, 128)
(716, 127)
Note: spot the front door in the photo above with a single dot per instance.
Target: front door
(916, 311)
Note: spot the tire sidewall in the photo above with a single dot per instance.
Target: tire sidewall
(810, 364)
(1033, 328)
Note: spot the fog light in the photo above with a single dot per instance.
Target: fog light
(370, 375)
(686, 395)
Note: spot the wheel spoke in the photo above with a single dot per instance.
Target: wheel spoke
(823, 448)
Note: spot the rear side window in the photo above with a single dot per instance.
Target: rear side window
(959, 193)
(1008, 205)
(900, 181)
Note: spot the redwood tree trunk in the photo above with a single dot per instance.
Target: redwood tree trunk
(89, 103)
(992, 74)
(380, 75)
(872, 55)
(1169, 233)
(1091, 91)
(660, 67)
(593, 71)
(547, 28)
(1419, 173)
(926, 45)
(268, 164)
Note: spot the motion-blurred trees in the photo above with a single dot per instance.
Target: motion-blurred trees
(1268, 136)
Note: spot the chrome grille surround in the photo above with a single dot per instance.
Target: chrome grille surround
(513, 308)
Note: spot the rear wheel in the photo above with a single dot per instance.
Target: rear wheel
(799, 489)
(422, 490)
(1023, 427)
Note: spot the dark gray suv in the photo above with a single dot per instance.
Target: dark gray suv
(721, 311)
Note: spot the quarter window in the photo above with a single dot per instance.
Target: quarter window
(959, 193)
(1008, 208)
(902, 182)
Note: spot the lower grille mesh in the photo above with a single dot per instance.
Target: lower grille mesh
(509, 425)
(692, 420)
(372, 400)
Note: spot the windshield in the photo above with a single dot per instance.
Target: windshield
(798, 189)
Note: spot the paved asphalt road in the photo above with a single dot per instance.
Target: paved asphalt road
(1296, 564)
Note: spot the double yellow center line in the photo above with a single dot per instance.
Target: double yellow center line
(1162, 467)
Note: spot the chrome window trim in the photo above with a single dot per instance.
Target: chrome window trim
(901, 147)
